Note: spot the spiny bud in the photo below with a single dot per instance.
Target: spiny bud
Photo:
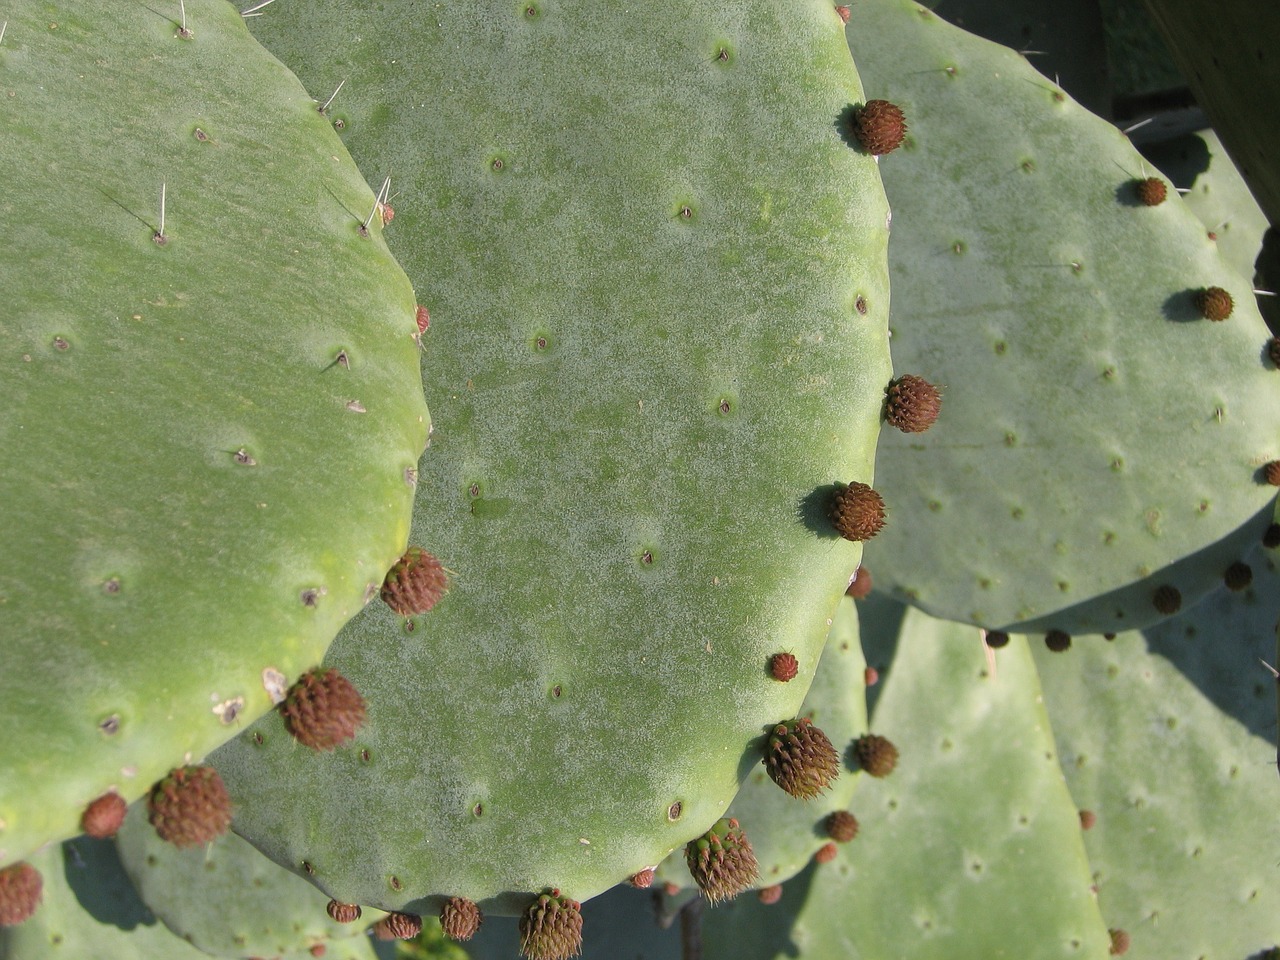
(460, 918)
(875, 754)
(344, 912)
(551, 928)
(1238, 576)
(1214, 303)
(770, 895)
(826, 853)
(323, 710)
(1151, 191)
(415, 583)
(857, 512)
(103, 817)
(398, 926)
(190, 807)
(722, 861)
(879, 126)
(20, 887)
(860, 586)
(912, 404)
(784, 667)
(644, 879)
(1119, 942)
(841, 826)
(1058, 641)
(800, 758)
(1167, 599)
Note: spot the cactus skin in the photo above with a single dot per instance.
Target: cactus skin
(645, 385)
(226, 899)
(1168, 736)
(972, 850)
(1215, 193)
(1059, 313)
(187, 498)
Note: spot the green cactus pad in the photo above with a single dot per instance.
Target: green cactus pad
(1168, 737)
(1094, 430)
(207, 439)
(654, 351)
(971, 849)
(91, 909)
(1215, 192)
(786, 832)
(226, 898)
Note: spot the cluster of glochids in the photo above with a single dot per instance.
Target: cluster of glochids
(802, 761)
(191, 807)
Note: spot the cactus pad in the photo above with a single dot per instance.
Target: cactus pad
(212, 395)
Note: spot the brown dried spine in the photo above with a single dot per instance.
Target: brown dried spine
(190, 807)
(460, 918)
(800, 759)
(415, 583)
(103, 817)
(323, 710)
(551, 928)
(912, 404)
(857, 512)
(1214, 303)
(879, 126)
(20, 888)
(721, 861)
(876, 755)
(783, 667)
(1151, 191)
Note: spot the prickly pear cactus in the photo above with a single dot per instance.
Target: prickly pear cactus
(226, 899)
(654, 352)
(212, 399)
(1096, 429)
(971, 848)
(786, 832)
(1167, 738)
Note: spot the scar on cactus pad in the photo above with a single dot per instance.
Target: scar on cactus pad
(800, 759)
(1214, 303)
(912, 404)
(190, 807)
(783, 667)
(20, 887)
(857, 512)
(551, 928)
(879, 126)
(876, 755)
(721, 861)
(103, 817)
(1151, 191)
(460, 918)
(323, 710)
(415, 583)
